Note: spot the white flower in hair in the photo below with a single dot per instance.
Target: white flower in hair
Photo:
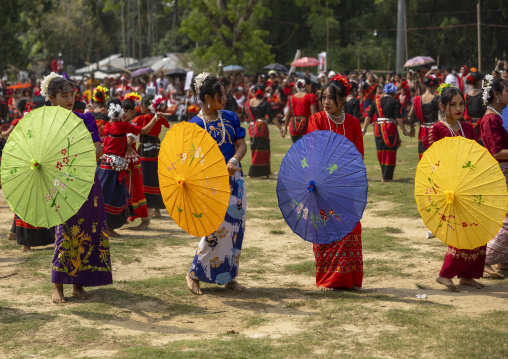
(45, 84)
(487, 86)
(115, 111)
(198, 81)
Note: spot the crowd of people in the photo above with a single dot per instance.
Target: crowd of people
(122, 112)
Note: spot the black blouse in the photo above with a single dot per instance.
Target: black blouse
(353, 108)
(430, 110)
(262, 110)
(475, 106)
(390, 106)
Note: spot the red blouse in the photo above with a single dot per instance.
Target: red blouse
(115, 137)
(301, 105)
(439, 130)
(494, 135)
(143, 120)
(319, 121)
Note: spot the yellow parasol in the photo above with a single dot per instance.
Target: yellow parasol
(193, 179)
(461, 192)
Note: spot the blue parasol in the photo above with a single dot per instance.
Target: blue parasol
(233, 68)
(322, 187)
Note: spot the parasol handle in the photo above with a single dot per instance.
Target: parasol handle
(311, 186)
(449, 196)
(35, 164)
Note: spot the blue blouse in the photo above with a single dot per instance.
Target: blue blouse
(234, 131)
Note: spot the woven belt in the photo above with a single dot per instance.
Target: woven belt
(386, 120)
(427, 124)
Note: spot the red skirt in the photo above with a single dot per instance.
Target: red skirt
(387, 142)
(340, 264)
(137, 195)
(464, 263)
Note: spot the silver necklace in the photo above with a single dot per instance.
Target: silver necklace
(493, 110)
(219, 116)
(341, 123)
(452, 131)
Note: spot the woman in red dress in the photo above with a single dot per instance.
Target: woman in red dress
(466, 264)
(300, 107)
(495, 139)
(339, 264)
(425, 109)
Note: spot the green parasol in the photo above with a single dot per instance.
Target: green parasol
(48, 166)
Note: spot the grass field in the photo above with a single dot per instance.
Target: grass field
(149, 313)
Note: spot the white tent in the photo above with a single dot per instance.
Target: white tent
(113, 63)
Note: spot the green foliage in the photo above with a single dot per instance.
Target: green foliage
(228, 31)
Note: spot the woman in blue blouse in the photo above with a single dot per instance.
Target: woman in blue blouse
(218, 255)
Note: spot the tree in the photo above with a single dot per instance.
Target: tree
(228, 30)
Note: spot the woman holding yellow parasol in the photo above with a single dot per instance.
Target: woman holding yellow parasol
(217, 257)
(466, 264)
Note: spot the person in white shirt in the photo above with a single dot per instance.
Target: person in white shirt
(450, 78)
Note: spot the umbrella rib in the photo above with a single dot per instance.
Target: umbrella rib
(480, 222)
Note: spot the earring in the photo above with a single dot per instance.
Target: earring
(497, 100)
(208, 105)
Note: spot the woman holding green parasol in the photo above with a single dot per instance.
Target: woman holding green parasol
(82, 256)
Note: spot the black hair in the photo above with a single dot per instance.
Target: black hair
(354, 85)
(336, 89)
(477, 77)
(57, 85)
(430, 82)
(449, 69)
(497, 73)
(128, 104)
(100, 96)
(21, 105)
(211, 86)
(147, 100)
(497, 85)
(306, 82)
(448, 94)
(225, 81)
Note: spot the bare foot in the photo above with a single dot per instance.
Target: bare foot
(143, 225)
(11, 236)
(355, 287)
(491, 272)
(79, 292)
(25, 249)
(193, 285)
(502, 266)
(113, 234)
(157, 213)
(235, 286)
(448, 283)
(58, 295)
(325, 289)
(471, 282)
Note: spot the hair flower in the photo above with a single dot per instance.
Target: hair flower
(45, 84)
(345, 82)
(199, 80)
(115, 111)
(156, 103)
(486, 87)
(100, 94)
(133, 96)
(442, 87)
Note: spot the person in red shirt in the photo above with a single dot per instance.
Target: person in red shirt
(300, 107)
(495, 139)
(466, 264)
(112, 171)
(149, 151)
(337, 266)
(134, 175)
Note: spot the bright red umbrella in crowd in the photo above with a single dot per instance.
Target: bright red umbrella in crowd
(305, 62)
